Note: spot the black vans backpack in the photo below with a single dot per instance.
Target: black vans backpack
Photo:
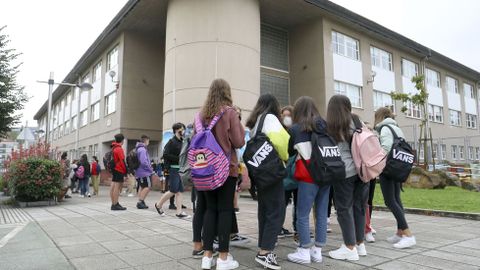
(400, 159)
(262, 160)
(326, 165)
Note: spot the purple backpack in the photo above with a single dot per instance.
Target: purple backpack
(210, 166)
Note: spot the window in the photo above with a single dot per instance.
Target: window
(275, 85)
(274, 47)
(67, 107)
(454, 152)
(75, 101)
(83, 118)
(381, 99)
(353, 92)
(452, 85)
(67, 127)
(413, 110)
(421, 151)
(110, 103)
(455, 118)
(444, 151)
(468, 91)
(471, 153)
(74, 123)
(409, 69)
(97, 72)
(432, 77)
(96, 83)
(112, 59)
(95, 111)
(60, 131)
(477, 153)
(381, 58)
(435, 113)
(461, 152)
(345, 45)
(471, 120)
(435, 151)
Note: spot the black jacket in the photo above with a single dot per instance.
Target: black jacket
(172, 151)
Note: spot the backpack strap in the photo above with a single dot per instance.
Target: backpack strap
(391, 129)
(216, 118)
(198, 123)
(260, 124)
(358, 124)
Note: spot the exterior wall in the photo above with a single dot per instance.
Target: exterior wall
(307, 63)
(207, 40)
(142, 96)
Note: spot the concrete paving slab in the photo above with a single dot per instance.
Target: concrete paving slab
(99, 262)
(142, 257)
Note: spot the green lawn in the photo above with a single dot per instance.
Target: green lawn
(449, 199)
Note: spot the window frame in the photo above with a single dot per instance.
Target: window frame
(454, 153)
(405, 63)
(471, 123)
(107, 98)
(459, 114)
(471, 91)
(348, 87)
(455, 90)
(92, 112)
(345, 44)
(375, 51)
(84, 118)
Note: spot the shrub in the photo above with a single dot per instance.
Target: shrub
(34, 179)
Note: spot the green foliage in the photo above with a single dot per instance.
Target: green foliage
(35, 179)
(12, 96)
(449, 199)
(3, 183)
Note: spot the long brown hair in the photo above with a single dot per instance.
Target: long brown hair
(305, 113)
(219, 96)
(339, 118)
(381, 114)
(267, 103)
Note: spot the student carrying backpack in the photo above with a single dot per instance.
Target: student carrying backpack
(400, 158)
(367, 153)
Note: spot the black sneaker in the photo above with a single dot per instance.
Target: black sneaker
(141, 205)
(238, 241)
(237, 210)
(182, 215)
(159, 210)
(198, 254)
(118, 207)
(68, 197)
(183, 207)
(285, 233)
(268, 260)
(172, 207)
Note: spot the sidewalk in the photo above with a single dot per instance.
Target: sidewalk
(83, 233)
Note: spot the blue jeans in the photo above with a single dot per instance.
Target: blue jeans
(309, 194)
(82, 184)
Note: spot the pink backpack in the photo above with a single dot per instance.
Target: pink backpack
(367, 153)
(210, 166)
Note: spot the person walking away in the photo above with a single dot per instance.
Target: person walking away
(230, 135)
(290, 193)
(119, 170)
(82, 173)
(171, 155)
(350, 194)
(66, 168)
(270, 215)
(144, 171)
(391, 189)
(96, 169)
(307, 120)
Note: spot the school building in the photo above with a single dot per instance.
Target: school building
(153, 64)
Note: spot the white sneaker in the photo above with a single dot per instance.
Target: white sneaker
(344, 253)
(208, 263)
(373, 231)
(361, 250)
(394, 239)
(405, 242)
(302, 255)
(316, 254)
(328, 221)
(228, 264)
(369, 237)
(130, 195)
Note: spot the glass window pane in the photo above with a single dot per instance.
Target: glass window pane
(274, 47)
(277, 86)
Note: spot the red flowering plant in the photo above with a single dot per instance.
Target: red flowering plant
(31, 175)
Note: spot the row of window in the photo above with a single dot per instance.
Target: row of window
(349, 47)
(457, 152)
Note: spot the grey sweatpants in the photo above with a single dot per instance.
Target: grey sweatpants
(351, 197)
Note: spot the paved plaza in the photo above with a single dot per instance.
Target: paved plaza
(82, 233)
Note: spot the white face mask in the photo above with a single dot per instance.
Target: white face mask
(287, 121)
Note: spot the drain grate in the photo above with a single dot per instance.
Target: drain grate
(13, 215)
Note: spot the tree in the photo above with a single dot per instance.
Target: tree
(419, 99)
(12, 97)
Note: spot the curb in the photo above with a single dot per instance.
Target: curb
(436, 213)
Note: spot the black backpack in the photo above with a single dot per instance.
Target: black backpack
(133, 162)
(400, 159)
(326, 165)
(262, 160)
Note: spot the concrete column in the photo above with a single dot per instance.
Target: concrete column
(208, 39)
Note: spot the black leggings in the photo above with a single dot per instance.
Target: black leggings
(330, 201)
(391, 195)
(219, 215)
(371, 194)
(199, 215)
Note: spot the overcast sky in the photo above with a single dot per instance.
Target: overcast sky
(54, 34)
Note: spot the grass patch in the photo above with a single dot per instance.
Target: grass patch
(449, 199)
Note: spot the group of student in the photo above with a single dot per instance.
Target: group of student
(78, 174)
(291, 137)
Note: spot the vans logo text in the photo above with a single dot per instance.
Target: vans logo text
(260, 155)
(402, 156)
(329, 151)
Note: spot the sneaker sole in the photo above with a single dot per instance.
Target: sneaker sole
(298, 261)
(316, 260)
(404, 247)
(239, 243)
(273, 267)
(343, 258)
